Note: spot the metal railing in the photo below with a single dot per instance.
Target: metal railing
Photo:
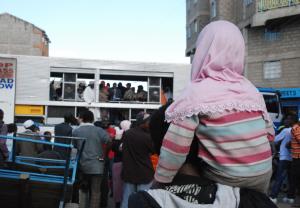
(68, 166)
(264, 5)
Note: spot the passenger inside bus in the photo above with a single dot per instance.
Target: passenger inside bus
(152, 89)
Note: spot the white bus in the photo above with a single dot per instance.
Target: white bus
(46, 88)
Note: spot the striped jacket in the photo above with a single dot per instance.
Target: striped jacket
(295, 144)
(235, 143)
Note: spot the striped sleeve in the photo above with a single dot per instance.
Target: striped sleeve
(270, 131)
(175, 148)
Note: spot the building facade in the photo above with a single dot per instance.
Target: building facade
(271, 29)
(22, 38)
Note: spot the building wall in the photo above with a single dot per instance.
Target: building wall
(21, 38)
(197, 11)
(225, 10)
(285, 49)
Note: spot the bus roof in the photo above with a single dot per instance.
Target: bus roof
(263, 89)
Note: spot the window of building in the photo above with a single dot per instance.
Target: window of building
(271, 34)
(247, 2)
(188, 4)
(188, 32)
(195, 26)
(68, 86)
(272, 70)
(213, 8)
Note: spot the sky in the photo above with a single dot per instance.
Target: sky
(129, 30)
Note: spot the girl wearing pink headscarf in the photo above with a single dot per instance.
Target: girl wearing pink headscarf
(226, 113)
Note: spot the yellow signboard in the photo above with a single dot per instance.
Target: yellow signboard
(35, 110)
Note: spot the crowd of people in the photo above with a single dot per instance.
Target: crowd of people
(116, 92)
(211, 147)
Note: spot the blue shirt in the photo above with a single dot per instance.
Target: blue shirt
(285, 137)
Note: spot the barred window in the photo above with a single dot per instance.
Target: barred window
(272, 70)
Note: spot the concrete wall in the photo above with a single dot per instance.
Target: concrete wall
(225, 10)
(20, 37)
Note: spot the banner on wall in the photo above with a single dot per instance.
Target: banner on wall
(8, 87)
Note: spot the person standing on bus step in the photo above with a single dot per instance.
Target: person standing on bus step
(29, 149)
(137, 172)
(3, 131)
(225, 111)
(91, 162)
(64, 130)
(285, 161)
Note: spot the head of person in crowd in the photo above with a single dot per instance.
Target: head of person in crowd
(86, 116)
(103, 83)
(128, 86)
(290, 120)
(120, 85)
(133, 89)
(70, 119)
(104, 124)
(91, 84)
(30, 125)
(1, 115)
(47, 136)
(142, 120)
(125, 125)
(81, 87)
(101, 86)
(111, 131)
(140, 88)
(108, 85)
(114, 85)
(12, 128)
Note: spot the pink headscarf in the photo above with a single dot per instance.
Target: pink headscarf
(125, 125)
(217, 83)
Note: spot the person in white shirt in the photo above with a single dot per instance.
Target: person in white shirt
(89, 93)
(89, 97)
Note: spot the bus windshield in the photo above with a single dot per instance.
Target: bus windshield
(272, 103)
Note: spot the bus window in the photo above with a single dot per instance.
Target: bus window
(272, 103)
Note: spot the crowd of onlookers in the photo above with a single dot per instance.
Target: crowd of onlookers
(116, 92)
(119, 160)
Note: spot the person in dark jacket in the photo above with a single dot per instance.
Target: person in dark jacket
(65, 130)
(137, 148)
(115, 93)
(29, 149)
